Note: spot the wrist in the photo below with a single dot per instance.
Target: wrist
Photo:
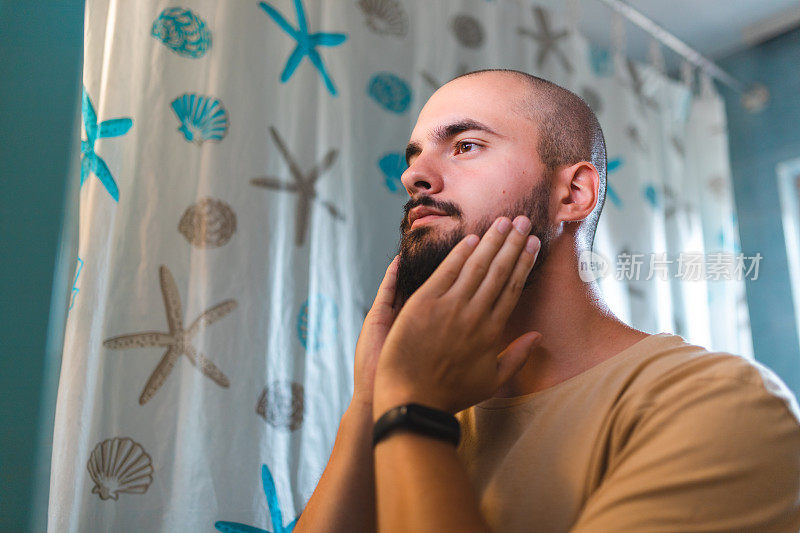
(359, 412)
(391, 390)
(361, 402)
(392, 398)
(419, 420)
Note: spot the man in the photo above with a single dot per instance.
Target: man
(570, 419)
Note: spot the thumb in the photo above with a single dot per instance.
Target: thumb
(513, 358)
(382, 307)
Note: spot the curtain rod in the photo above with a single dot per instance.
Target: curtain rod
(753, 98)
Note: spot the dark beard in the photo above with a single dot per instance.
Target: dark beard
(421, 253)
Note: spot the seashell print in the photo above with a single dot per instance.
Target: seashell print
(209, 223)
(203, 118)
(468, 31)
(119, 465)
(281, 405)
(390, 92)
(719, 185)
(393, 165)
(385, 17)
(182, 31)
(318, 329)
(601, 61)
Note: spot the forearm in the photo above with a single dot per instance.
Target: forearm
(422, 486)
(344, 499)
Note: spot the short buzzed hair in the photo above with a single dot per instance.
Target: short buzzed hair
(569, 133)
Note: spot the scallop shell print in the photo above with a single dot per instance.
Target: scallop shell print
(385, 17)
(210, 223)
(119, 465)
(182, 31)
(316, 322)
(281, 405)
(390, 92)
(468, 30)
(203, 118)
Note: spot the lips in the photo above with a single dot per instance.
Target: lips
(419, 212)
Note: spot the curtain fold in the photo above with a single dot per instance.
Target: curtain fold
(240, 200)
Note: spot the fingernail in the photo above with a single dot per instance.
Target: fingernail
(523, 225)
(532, 245)
(472, 239)
(504, 225)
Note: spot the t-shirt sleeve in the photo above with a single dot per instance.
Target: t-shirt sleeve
(712, 455)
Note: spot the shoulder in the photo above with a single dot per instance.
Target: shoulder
(672, 370)
(708, 438)
(716, 415)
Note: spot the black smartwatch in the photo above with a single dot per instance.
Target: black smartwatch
(417, 419)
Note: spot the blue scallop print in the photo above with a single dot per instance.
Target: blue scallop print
(202, 118)
(393, 165)
(390, 92)
(273, 504)
(319, 330)
(182, 31)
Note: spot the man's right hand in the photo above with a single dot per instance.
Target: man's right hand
(373, 334)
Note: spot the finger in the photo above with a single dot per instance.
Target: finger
(502, 266)
(448, 270)
(382, 306)
(477, 266)
(513, 358)
(510, 294)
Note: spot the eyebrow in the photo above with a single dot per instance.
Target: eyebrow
(444, 133)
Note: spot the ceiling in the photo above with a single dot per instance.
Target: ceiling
(715, 28)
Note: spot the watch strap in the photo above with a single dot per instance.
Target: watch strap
(417, 419)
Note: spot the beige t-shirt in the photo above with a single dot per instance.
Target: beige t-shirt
(664, 436)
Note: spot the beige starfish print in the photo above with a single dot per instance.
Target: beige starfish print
(178, 341)
(546, 39)
(304, 184)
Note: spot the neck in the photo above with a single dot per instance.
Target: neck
(578, 329)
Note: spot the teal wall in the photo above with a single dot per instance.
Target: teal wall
(40, 59)
(758, 142)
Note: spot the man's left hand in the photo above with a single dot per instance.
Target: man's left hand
(442, 350)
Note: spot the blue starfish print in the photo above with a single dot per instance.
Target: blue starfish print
(306, 43)
(90, 161)
(651, 194)
(274, 511)
(75, 289)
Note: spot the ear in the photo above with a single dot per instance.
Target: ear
(577, 189)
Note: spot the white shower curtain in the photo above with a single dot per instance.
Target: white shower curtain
(240, 200)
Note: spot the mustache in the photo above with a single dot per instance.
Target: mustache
(447, 208)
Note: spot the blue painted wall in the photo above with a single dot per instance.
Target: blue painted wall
(40, 59)
(758, 142)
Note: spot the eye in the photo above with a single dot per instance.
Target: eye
(462, 147)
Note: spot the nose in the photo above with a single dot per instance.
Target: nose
(422, 176)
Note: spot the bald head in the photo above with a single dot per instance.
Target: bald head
(568, 131)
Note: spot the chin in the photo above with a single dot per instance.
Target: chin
(422, 250)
